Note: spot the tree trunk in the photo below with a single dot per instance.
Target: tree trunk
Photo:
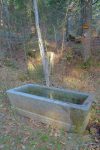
(67, 26)
(41, 46)
(1, 17)
(6, 24)
(86, 19)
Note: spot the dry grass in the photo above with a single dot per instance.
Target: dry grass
(19, 133)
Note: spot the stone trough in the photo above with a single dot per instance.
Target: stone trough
(58, 107)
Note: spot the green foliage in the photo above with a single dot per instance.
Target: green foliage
(96, 18)
(20, 8)
(87, 64)
(56, 3)
(44, 138)
(59, 146)
(18, 4)
(32, 143)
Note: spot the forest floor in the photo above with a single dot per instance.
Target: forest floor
(20, 133)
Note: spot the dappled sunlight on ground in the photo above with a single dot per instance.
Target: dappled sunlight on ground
(19, 133)
(75, 78)
(78, 84)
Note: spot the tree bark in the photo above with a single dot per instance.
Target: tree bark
(41, 46)
(6, 24)
(86, 21)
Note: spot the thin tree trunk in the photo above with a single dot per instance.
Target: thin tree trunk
(6, 22)
(55, 35)
(41, 46)
(86, 18)
(1, 17)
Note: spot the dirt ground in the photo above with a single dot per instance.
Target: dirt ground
(20, 133)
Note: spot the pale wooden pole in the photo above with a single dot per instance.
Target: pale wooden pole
(41, 46)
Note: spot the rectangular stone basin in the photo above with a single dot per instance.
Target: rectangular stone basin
(58, 107)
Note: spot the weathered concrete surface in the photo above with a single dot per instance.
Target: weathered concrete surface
(73, 117)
